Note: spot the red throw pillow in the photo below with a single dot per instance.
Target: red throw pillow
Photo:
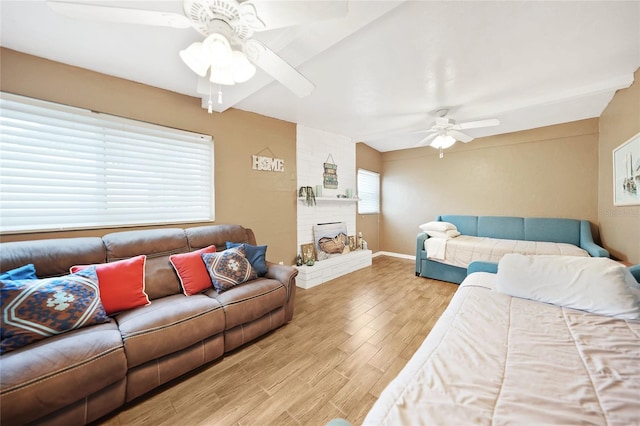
(121, 284)
(192, 270)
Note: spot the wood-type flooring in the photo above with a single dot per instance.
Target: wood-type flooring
(348, 339)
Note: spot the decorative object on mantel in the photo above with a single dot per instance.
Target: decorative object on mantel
(308, 253)
(306, 192)
(268, 164)
(299, 260)
(360, 240)
(331, 239)
(318, 191)
(626, 173)
(352, 242)
(330, 174)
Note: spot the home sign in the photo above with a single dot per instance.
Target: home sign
(268, 164)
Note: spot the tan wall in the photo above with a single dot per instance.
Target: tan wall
(369, 224)
(263, 201)
(619, 225)
(545, 172)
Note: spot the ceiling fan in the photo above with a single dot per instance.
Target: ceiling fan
(228, 53)
(445, 132)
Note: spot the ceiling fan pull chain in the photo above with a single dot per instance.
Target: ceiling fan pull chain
(441, 152)
(210, 104)
(220, 94)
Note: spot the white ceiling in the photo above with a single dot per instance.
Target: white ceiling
(382, 70)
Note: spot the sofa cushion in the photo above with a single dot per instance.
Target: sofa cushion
(256, 255)
(168, 325)
(467, 225)
(158, 245)
(504, 227)
(218, 235)
(191, 270)
(55, 372)
(54, 257)
(228, 268)
(249, 301)
(554, 230)
(33, 310)
(24, 272)
(121, 283)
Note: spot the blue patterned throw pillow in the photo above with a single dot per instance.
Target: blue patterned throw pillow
(256, 255)
(26, 272)
(228, 268)
(33, 310)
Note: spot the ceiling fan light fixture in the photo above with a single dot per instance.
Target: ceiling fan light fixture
(443, 141)
(243, 70)
(217, 48)
(222, 76)
(194, 58)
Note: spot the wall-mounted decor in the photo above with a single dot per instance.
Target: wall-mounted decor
(626, 173)
(267, 164)
(330, 174)
(306, 193)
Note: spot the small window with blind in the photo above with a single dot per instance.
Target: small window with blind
(68, 168)
(368, 192)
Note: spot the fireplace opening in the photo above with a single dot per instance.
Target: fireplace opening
(330, 239)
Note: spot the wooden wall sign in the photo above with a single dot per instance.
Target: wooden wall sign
(267, 164)
(330, 174)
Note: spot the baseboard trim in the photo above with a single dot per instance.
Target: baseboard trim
(392, 254)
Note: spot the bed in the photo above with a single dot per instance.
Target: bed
(497, 359)
(488, 237)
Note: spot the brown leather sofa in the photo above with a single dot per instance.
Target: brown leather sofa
(79, 376)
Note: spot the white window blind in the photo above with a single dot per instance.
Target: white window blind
(368, 192)
(68, 168)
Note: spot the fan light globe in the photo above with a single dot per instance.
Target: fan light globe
(443, 141)
(222, 76)
(243, 70)
(217, 47)
(194, 58)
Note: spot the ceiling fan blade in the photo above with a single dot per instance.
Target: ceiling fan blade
(277, 68)
(269, 14)
(426, 140)
(118, 14)
(459, 136)
(477, 124)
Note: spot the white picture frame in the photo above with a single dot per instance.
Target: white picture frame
(626, 173)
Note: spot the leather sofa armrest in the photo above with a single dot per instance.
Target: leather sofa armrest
(586, 241)
(283, 273)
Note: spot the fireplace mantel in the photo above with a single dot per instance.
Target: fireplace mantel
(328, 269)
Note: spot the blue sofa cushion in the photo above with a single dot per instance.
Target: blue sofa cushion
(552, 229)
(467, 225)
(504, 227)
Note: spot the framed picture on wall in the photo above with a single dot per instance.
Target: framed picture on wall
(626, 173)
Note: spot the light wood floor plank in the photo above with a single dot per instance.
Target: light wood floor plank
(348, 339)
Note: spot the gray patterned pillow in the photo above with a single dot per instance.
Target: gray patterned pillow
(228, 268)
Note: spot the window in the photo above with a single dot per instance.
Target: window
(68, 168)
(368, 192)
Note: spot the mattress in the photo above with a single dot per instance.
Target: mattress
(495, 359)
(463, 250)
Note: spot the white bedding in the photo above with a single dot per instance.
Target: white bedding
(496, 359)
(463, 250)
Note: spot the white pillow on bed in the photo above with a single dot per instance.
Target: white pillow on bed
(437, 226)
(449, 233)
(597, 285)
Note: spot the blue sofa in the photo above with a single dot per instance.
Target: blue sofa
(571, 231)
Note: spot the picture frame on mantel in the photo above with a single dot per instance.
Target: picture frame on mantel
(308, 252)
(626, 173)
